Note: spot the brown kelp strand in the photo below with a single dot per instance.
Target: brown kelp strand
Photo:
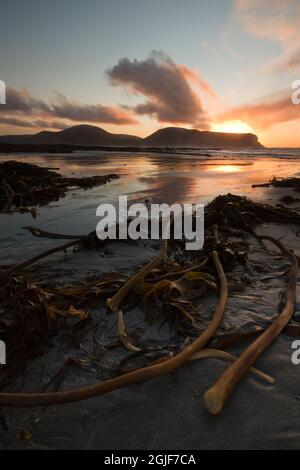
(114, 302)
(216, 397)
(211, 353)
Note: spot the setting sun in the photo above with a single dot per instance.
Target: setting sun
(239, 127)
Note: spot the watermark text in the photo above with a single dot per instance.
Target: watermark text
(296, 92)
(140, 221)
(2, 353)
(2, 92)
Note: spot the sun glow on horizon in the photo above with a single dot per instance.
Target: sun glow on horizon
(234, 127)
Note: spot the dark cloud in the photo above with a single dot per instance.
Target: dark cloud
(32, 124)
(21, 101)
(68, 109)
(44, 124)
(11, 121)
(167, 86)
(21, 105)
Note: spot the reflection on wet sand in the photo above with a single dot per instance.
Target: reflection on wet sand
(228, 168)
(180, 177)
(157, 177)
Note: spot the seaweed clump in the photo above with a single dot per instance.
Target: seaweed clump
(24, 186)
(290, 182)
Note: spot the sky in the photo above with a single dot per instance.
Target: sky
(133, 66)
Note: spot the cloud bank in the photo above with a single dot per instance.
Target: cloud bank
(172, 93)
(23, 110)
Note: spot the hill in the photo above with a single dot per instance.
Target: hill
(76, 135)
(175, 136)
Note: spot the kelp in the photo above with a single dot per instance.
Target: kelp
(217, 395)
(24, 186)
(211, 353)
(290, 182)
(240, 213)
(140, 375)
(173, 284)
(24, 320)
(177, 294)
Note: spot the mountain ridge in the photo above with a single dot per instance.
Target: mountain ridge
(91, 136)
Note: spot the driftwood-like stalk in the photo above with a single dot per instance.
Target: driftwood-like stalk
(224, 355)
(216, 397)
(125, 340)
(44, 254)
(140, 375)
(38, 232)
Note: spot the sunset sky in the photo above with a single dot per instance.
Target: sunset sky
(133, 66)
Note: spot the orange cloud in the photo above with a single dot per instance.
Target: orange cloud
(270, 110)
(196, 78)
(274, 20)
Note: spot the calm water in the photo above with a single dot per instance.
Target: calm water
(196, 176)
